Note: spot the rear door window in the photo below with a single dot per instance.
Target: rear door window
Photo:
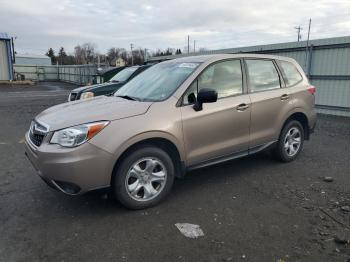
(262, 75)
(290, 73)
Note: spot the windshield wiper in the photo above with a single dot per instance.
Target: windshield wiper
(113, 81)
(129, 98)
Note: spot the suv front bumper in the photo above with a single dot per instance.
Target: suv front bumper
(71, 170)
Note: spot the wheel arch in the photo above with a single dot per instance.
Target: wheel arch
(301, 117)
(161, 141)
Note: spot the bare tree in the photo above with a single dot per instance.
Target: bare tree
(85, 53)
(137, 54)
(89, 49)
(124, 55)
(79, 55)
(115, 53)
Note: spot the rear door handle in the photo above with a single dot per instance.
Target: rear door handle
(242, 107)
(284, 97)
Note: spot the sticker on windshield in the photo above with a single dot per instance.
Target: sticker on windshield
(188, 65)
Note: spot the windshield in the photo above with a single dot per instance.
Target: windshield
(123, 75)
(158, 82)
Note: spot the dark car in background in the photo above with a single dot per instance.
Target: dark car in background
(104, 75)
(108, 87)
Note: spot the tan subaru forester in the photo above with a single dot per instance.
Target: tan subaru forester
(176, 116)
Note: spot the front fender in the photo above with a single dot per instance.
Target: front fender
(151, 135)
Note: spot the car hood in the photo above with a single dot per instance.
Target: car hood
(92, 87)
(91, 110)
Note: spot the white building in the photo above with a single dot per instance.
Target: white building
(118, 62)
(28, 59)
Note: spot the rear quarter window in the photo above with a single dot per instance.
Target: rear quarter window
(290, 73)
(262, 75)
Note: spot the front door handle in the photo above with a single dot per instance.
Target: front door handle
(284, 97)
(242, 107)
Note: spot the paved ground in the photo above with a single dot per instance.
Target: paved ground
(252, 209)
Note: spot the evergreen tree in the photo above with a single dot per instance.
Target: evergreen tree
(51, 53)
(62, 56)
(168, 52)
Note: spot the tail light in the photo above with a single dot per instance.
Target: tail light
(312, 90)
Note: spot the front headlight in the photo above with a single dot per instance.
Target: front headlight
(77, 135)
(87, 95)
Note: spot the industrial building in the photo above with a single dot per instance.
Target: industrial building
(6, 57)
(325, 61)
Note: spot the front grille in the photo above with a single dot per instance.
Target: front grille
(72, 96)
(37, 133)
(36, 138)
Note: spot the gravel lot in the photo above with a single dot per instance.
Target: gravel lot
(250, 209)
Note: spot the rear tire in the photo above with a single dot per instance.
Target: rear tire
(143, 178)
(290, 142)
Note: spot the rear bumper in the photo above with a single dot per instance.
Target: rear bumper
(71, 170)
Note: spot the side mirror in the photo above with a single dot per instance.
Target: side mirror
(205, 95)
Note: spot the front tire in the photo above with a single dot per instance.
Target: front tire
(290, 142)
(143, 178)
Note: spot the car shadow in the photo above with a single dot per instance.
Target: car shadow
(103, 202)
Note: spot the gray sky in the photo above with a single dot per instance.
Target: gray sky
(40, 24)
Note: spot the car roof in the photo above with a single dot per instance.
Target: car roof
(214, 57)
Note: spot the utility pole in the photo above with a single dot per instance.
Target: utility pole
(145, 58)
(188, 44)
(194, 46)
(132, 57)
(298, 28)
(308, 32)
(307, 45)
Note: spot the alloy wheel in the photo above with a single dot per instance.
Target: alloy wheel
(292, 141)
(146, 179)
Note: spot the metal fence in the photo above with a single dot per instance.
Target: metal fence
(325, 61)
(78, 74)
